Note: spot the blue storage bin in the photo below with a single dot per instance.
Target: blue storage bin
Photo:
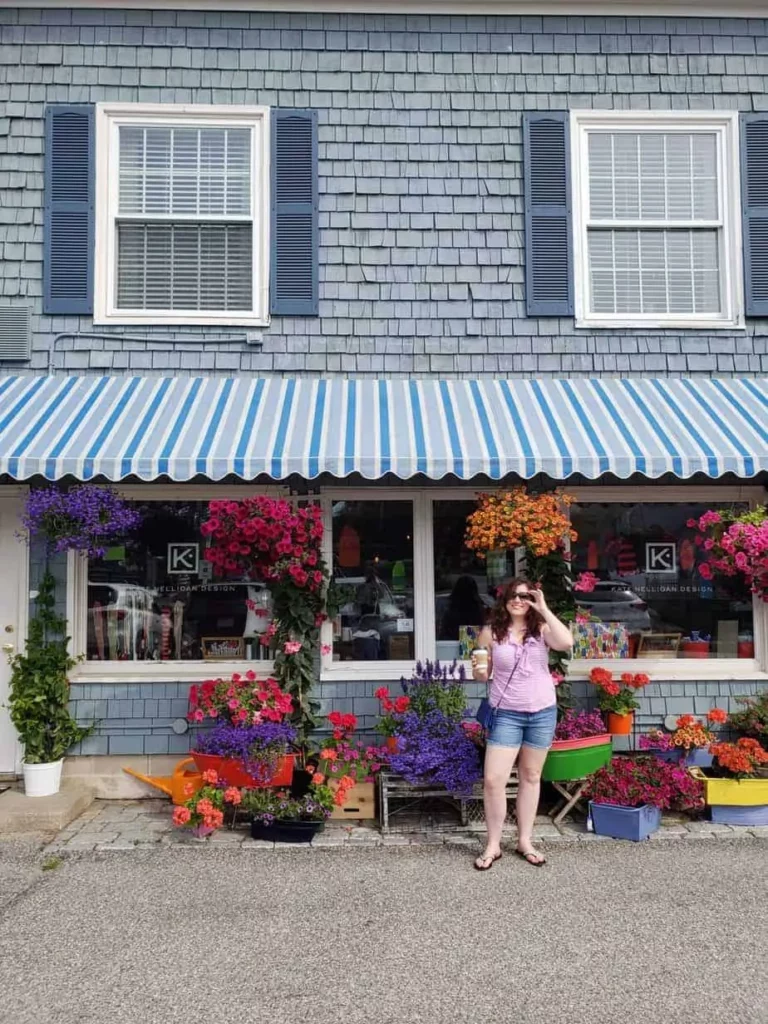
(633, 823)
(728, 814)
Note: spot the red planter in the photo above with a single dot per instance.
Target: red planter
(695, 648)
(585, 741)
(234, 774)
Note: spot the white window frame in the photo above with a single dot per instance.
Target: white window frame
(152, 671)
(665, 670)
(423, 583)
(725, 125)
(109, 118)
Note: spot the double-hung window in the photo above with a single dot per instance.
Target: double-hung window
(181, 214)
(655, 219)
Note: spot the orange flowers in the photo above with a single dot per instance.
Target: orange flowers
(717, 716)
(744, 757)
(515, 518)
(691, 733)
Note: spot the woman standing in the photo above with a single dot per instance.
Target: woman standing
(522, 693)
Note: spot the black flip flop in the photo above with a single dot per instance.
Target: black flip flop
(527, 858)
(488, 866)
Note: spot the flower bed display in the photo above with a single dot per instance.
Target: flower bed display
(628, 795)
(689, 743)
(580, 747)
(736, 785)
(433, 747)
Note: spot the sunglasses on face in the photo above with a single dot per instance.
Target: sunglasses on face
(521, 597)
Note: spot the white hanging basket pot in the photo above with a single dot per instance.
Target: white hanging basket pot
(42, 779)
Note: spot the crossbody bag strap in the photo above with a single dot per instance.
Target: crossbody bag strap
(509, 680)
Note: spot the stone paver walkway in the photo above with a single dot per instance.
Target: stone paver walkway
(132, 824)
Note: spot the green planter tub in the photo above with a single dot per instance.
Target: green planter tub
(573, 759)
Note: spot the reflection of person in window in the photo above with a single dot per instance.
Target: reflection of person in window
(465, 608)
(369, 594)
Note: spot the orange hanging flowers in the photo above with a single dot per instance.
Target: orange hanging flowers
(517, 519)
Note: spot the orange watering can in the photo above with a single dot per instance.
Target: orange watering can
(179, 787)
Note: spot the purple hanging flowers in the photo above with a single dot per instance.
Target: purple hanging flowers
(85, 518)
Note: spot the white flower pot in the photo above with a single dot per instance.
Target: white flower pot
(42, 779)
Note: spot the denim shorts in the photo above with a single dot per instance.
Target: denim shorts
(524, 728)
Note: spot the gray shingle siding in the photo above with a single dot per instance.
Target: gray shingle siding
(131, 725)
(421, 229)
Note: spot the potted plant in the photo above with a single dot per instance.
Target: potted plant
(204, 812)
(690, 741)
(249, 745)
(348, 767)
(627, 796)
(39, 697)
(276, 817)
(433, 746)
(393, 709)
(247, 755)
(752, 718)
(580, 747)
(618, 701)
(736, 784)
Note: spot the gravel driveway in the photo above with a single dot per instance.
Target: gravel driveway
(605, 933)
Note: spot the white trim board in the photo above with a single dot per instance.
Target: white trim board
(557, 8)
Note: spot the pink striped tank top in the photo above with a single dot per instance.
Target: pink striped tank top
(531, 687)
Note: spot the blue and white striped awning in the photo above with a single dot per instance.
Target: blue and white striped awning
(186, 427)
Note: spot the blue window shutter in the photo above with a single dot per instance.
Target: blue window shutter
(754, 211)
(68, 237)
(294, 236)
(548, 228)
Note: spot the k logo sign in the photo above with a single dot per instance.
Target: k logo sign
(182, 558)
(661, 557)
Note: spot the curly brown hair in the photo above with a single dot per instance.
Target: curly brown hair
(501, 620)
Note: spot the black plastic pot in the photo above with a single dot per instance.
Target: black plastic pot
(287, 831)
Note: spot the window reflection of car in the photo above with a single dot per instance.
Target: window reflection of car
(133, 603)
(614, 601)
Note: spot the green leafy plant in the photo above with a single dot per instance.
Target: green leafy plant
(752, 719)
(39, 694)
(269, 805)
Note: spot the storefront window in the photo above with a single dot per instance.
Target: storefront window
(373, 567)
(153, 598)
(650, 600)
(464, 585)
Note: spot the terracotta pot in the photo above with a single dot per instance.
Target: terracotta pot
(392, 744)
(620, 725)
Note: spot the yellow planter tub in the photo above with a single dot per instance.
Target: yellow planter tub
(733, 792)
